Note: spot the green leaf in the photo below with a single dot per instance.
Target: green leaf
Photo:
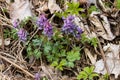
(59, 14)
(37, 42)
(54, 63)
(87, 70)
(73, 54)
(91, 9)
(29, 51)
(82, 75)
(94, 75)
(118, 4)
(50, 58)
(87, 73)
(84, 38)
(47, 47)
(62, 63)
(106, 76)
(37, 53)
(91, 69)
(94, 42)
(62, 53)
(73, 8)
(70, 64)
(14, 34)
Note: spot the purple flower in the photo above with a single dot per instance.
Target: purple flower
(44, 25)
(22, 34)
(48, 30)
(37, 76)
(79, 32)
(70, 27)
(15, 24)
(41, 21)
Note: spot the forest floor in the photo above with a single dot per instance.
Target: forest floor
(59, 40)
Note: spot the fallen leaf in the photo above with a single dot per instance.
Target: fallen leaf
(0, 42)
(2, 67)
(50, 72)
(20, 9)
(79, 23)
(53, 7)
(91, 57)
(102, 28)
(102, 6)
(112, 59)
(43, 8)
(7, 41)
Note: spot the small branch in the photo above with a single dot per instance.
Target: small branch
(103, 56)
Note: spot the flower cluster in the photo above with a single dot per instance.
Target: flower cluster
(48, 30)
(41, 21)
(44, 25)
(22, 34)
(70, 27)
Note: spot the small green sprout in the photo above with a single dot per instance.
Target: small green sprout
(87, 74)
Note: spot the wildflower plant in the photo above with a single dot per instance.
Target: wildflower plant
(21, 32)
(61, 47)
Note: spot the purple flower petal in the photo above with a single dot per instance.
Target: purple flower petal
(15, 24)
(37, 76)
(41, 21)
(70, 27)
(48, 30)
(22, 34)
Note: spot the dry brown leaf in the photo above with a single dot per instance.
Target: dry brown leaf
(79, 22)
(91, 57)
(2, 67)
(112, 59)
(102, 6)
(102, 28)
(43, 8)
(53, 7)
(0, 42)
(20, 9)
(50, 72)
(6, 41)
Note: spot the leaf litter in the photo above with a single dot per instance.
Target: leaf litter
(104, 25)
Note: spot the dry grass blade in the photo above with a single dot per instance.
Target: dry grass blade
(17, 66)
(91, 57)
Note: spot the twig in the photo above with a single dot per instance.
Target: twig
(32, 36)
(28, 73)
(1, 30)
(103, 56)
(7, 54)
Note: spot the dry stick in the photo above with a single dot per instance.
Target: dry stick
(2, 37)
(7, 54)
(17, 66)
(103, 56)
